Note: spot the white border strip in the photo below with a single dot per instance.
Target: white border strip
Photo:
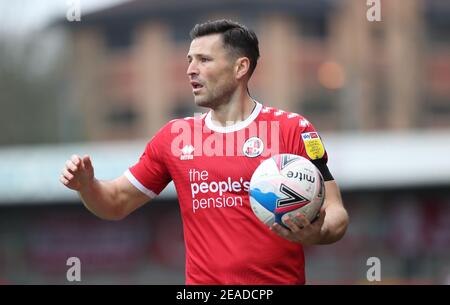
(139, 185)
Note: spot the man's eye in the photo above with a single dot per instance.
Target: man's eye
(203, 59)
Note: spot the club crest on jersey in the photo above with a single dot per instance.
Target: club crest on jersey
(313, 145)
(253, 147)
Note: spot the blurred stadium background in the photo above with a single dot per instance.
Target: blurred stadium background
(378, 91)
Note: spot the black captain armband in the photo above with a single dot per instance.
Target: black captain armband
(323, 168)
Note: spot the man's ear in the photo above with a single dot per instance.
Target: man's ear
(242, 67)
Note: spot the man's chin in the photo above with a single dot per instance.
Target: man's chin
(201, 102)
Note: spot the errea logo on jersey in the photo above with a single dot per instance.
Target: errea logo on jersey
(186, 152)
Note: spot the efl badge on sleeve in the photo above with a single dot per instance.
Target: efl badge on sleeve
(313, 145)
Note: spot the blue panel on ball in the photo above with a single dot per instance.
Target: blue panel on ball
(267, 200)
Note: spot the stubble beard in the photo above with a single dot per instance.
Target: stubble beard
(216, 97)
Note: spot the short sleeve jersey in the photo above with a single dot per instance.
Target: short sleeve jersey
(211, 167)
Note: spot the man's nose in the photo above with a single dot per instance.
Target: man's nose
(192, 69)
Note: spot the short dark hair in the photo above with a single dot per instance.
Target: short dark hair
(237, 37)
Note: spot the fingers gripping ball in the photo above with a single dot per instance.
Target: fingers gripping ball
(285, 185)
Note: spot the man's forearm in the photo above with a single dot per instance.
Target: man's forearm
(335, 224)
(100, 197)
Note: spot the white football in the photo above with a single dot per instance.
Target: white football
(286, 184)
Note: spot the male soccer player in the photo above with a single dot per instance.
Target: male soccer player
(211, 159)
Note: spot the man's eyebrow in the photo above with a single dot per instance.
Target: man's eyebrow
(197, 55)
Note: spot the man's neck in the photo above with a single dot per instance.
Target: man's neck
(236, 110)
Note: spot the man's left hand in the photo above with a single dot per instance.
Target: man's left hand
(301, 229)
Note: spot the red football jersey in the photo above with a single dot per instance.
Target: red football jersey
(211, 167)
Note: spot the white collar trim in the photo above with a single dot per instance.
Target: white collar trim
(235, 127)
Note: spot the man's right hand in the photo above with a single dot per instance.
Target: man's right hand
(108, 199)
(77, 173)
